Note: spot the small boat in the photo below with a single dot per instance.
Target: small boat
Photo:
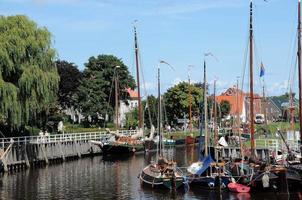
(119, 144)
(208, 174)
(123, 146)
(238, 188)
(163, 174)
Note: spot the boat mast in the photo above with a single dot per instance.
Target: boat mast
(190, 106)
(116, 97)
(160, 149)
(291, 111)
(214, 123)
(137, 79)
(205, 110)
(238, 117)
(299, 72)
(251, 82)
(264, 105)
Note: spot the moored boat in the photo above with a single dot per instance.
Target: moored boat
(163, 174)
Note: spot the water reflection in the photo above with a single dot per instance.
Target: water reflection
(108, 178)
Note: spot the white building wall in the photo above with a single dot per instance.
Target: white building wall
(123, 109)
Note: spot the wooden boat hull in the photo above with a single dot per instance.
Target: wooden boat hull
(158, 181)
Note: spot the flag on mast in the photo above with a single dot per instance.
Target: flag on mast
(262, 70)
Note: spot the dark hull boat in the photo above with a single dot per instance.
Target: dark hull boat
(162, 175)
(122, 145)
(113, 148)
(207, 174)
(210, 182)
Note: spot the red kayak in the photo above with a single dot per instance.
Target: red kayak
(236, 187)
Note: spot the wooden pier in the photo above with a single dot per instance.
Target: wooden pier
(19, 153)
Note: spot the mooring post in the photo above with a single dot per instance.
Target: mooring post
(77, 146)
(61, 149)
(44, 153)
(26, 157)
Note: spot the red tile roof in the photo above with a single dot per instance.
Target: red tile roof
(132, 93)
(230, 95)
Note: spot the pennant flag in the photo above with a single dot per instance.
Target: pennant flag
(262, 70)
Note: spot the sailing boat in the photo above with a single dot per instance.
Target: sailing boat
(190, 139)
(162, 173)
(262, 175)
(126, 144)
(297, 167)
(205, 172)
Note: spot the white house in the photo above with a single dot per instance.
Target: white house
(124, 108)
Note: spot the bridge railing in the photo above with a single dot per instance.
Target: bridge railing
(276, 144)
(64, 137)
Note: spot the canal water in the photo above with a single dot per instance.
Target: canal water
(108, 178)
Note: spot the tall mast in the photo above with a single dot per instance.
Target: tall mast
(159, 113)
(214, 123)
(251, 82)
(264, 104)
(238, 116)
(205, 110)
(137, 79)
(291, 111)
(190, 106)
(299, 72)
(116, 97)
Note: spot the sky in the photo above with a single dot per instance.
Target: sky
(176, 31)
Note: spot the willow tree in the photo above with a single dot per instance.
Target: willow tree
(28, 76)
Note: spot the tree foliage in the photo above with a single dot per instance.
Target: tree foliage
(28, 76)
(95, 95)
(70, 78)
(132, 118)
(152, 108)
(225, 108)
(177, 101)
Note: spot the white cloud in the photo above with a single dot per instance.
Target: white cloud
(176, 81)
(277, 88)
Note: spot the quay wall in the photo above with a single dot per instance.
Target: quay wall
(24, 152)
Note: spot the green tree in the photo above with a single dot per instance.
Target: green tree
(225, 108)
(152, 108)
(177, 101)
(70, 78)
(95, 95)
(28, 76)
(132, 118)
